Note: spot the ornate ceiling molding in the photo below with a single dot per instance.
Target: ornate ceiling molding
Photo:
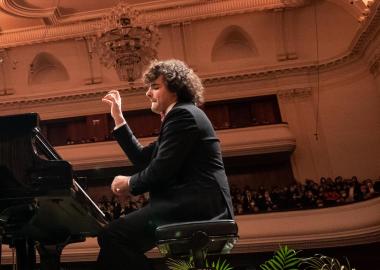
(215, 5)
(45, 34)
(371, 29)
(160, 13)
(22, 9)
(196, 10)
(356, 9)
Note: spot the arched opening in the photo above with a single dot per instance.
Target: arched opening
(46, 68)
(233, 43)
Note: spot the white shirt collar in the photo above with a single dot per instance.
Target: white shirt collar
(169, 108)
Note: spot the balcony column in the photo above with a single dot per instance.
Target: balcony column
(310, 159)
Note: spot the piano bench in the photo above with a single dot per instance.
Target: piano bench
(197, 239)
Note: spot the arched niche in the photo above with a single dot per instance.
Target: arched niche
(233, 43)
(46, 68)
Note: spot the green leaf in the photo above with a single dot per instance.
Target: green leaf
(217, 264)
(292, 262)
(274, 266)
(264, 267)
(283, 259)
(281, 254)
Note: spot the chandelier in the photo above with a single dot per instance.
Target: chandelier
(126, 42)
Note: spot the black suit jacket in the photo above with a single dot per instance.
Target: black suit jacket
(183, 170)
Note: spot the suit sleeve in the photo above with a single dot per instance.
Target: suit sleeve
(140, 156)
(179, 135)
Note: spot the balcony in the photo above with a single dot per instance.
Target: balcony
(254, 140)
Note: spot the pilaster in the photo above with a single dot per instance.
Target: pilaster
(5, 82)
(310, 159)
(285, 35)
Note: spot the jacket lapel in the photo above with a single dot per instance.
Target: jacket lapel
(154, 154)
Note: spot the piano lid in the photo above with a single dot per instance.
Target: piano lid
(18, 123)
(23, 170)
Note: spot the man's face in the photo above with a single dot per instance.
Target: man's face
(160, 96)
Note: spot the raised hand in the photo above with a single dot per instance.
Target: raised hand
(114, 100)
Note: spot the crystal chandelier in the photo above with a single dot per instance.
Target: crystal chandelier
(126, 42)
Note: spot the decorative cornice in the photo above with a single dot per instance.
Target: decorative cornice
(296, 93)
(83, 94)
(356, 9)
(41, 34)
(197, 10)
(160, 13)
(371, 29)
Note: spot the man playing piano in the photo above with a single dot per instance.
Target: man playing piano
(182, 170)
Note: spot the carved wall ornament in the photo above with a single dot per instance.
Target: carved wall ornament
(296, 93)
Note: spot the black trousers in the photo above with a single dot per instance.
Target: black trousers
(124, 241)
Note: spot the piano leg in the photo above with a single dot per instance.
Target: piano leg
(25, 254)
(50, 256)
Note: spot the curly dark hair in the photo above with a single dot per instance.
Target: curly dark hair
(179, 78)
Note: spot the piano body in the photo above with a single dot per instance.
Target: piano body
(41, 205)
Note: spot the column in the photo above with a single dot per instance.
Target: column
(310, 159)
(5, 82)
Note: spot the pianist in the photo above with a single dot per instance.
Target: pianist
(182, 170)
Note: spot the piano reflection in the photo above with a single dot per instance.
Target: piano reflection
(41, 205)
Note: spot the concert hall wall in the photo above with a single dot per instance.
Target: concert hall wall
(320, 60)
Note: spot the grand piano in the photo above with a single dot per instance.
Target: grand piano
(42, 207)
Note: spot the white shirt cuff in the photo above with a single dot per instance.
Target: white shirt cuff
(120, 125)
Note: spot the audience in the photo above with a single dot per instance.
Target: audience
(113, 208)
(326, 193)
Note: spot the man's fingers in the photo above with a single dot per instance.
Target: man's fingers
(115, 189)
(107, 101)
(117, 94)
(118, 185)
(114, 94)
